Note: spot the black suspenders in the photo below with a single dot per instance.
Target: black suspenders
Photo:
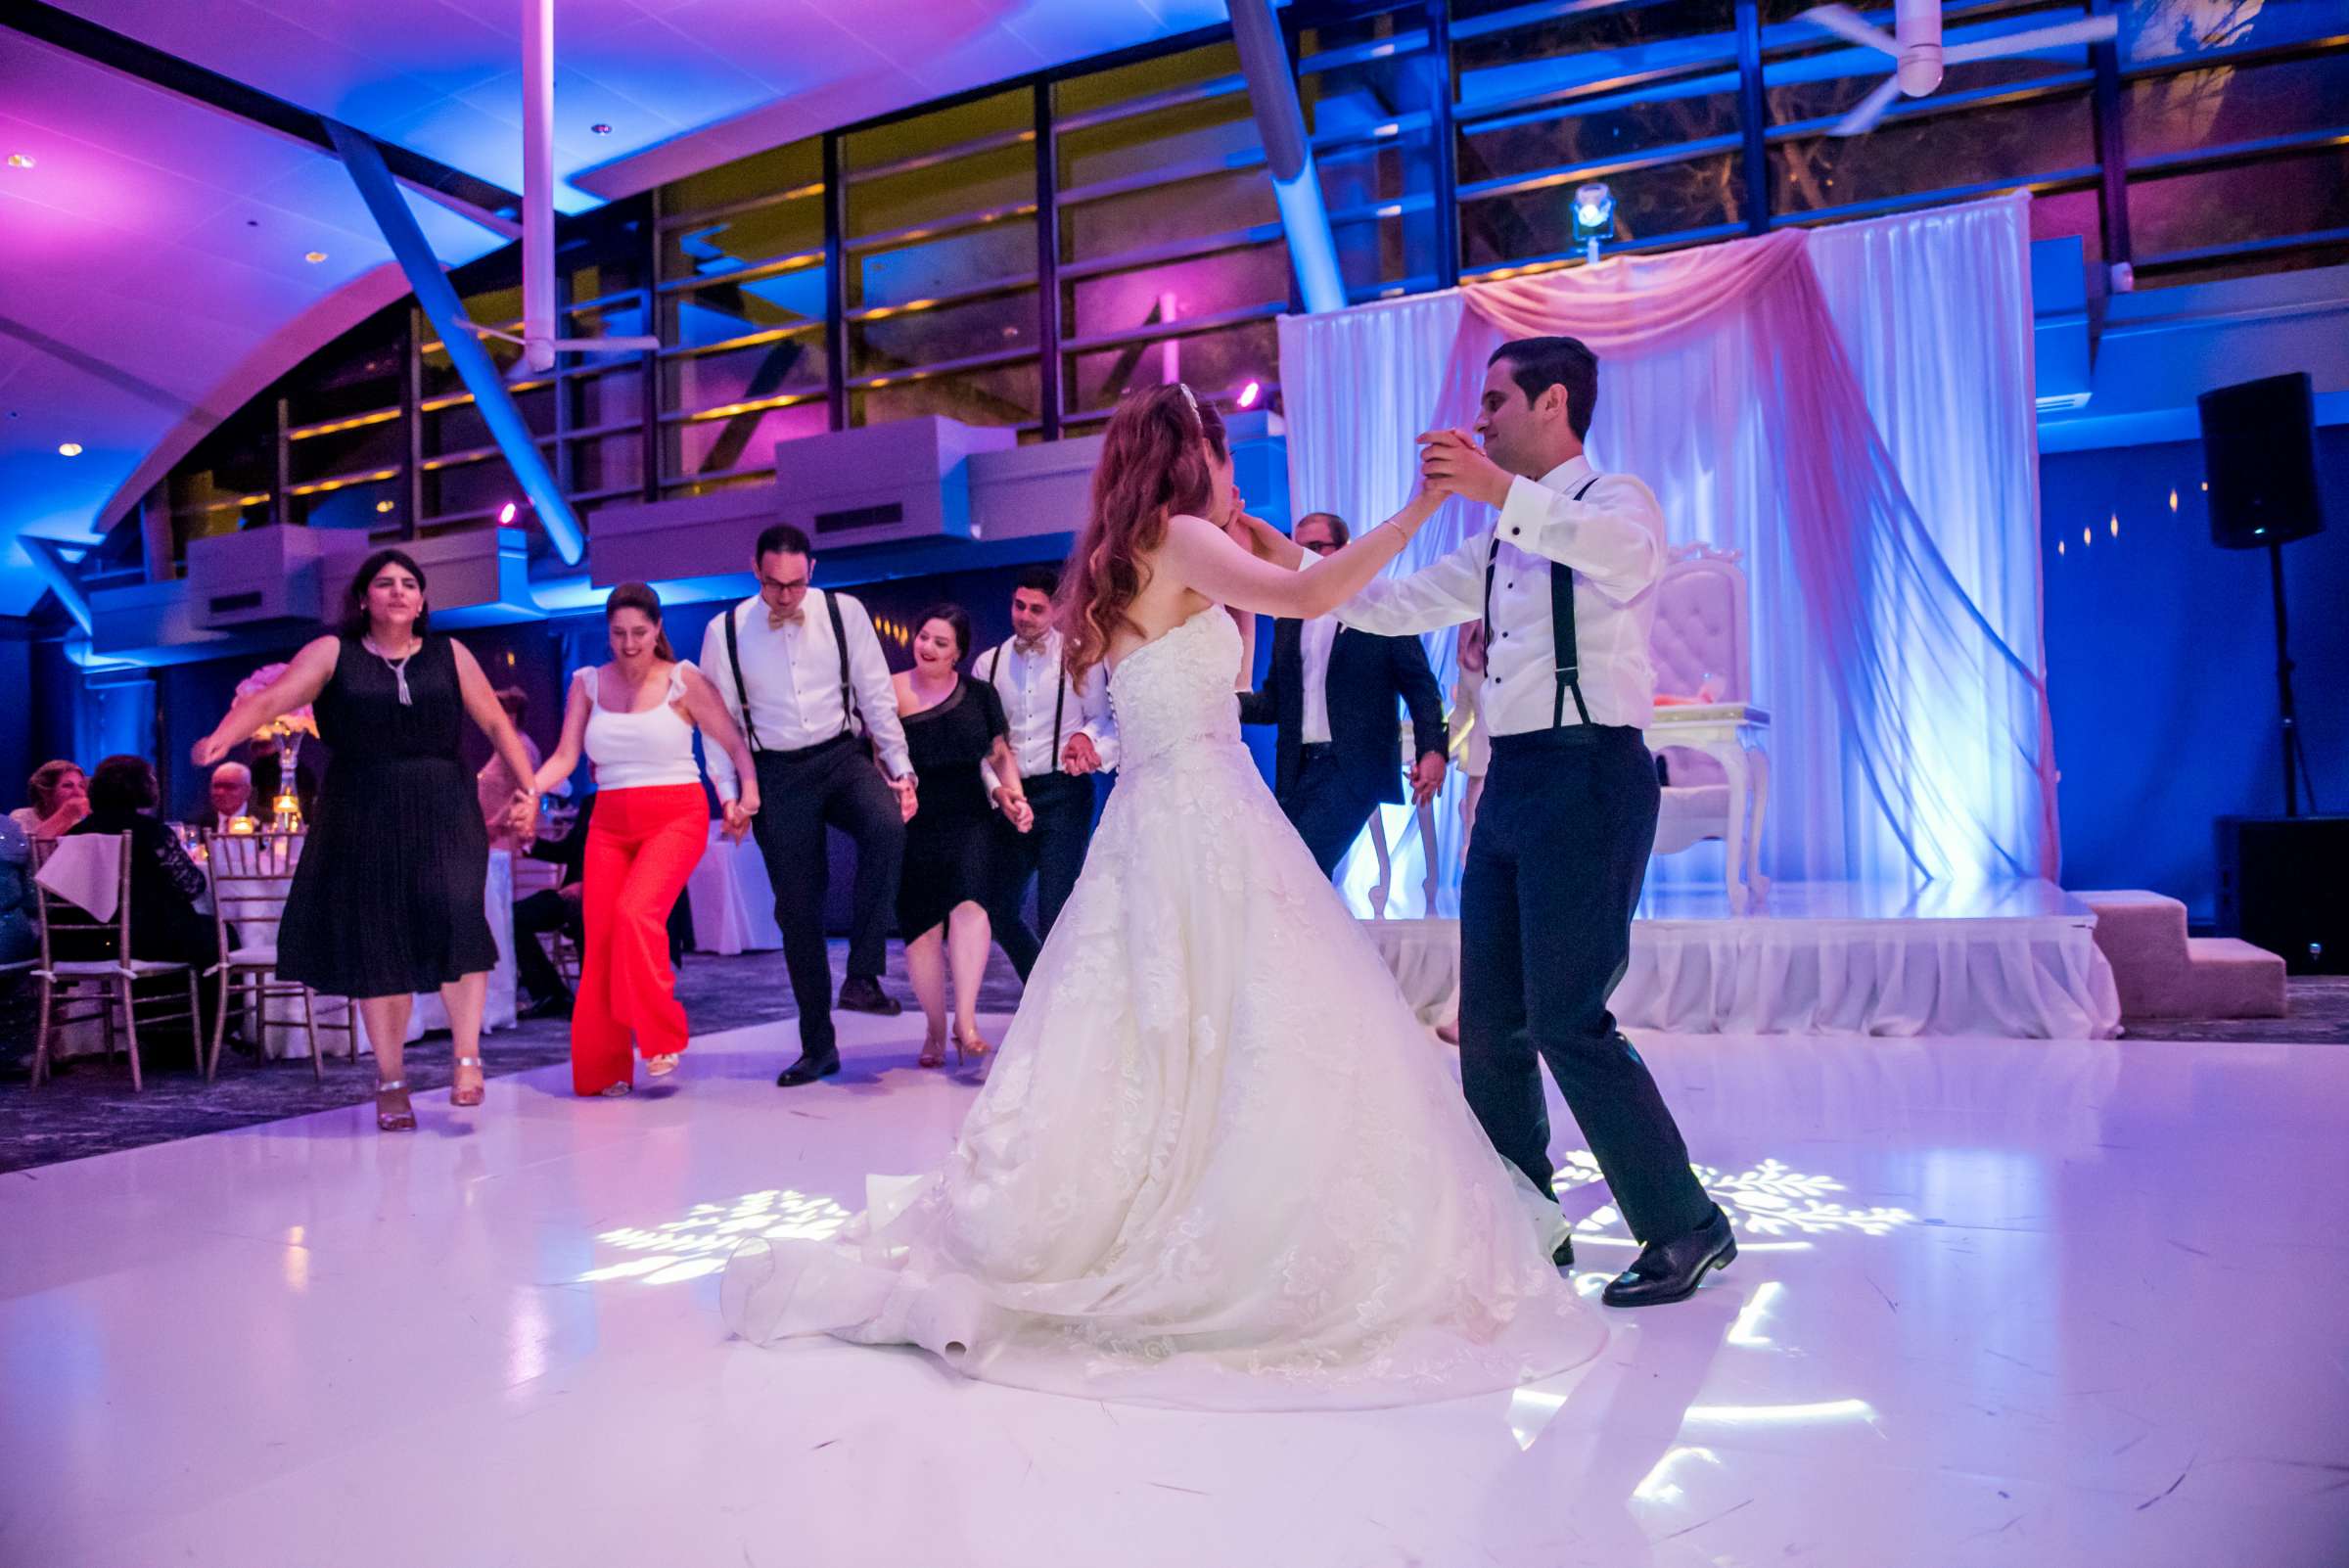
(840, 636)
(1561, 621)
(1060, 697)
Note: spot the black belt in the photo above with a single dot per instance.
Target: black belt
(805, 751)
(1536, 742)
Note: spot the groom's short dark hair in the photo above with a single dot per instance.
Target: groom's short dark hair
(1538, 364)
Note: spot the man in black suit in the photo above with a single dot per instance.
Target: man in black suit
(1332, 691)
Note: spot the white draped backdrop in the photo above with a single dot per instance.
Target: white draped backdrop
(1934, 313)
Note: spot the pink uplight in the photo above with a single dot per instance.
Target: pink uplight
(505, 514)
(1250, 393)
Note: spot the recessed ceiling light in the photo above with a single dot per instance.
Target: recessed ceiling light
(19, 161)
(314, 258)
(70, 449)
(382, 506)
(601, 129)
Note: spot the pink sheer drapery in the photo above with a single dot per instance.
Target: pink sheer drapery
(1889, 621)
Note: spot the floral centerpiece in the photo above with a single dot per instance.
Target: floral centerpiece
(286, 730)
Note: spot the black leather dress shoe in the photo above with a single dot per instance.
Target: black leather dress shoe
(807, 1069)
(1669, 1270)
(1564, 1255)
(861, 993)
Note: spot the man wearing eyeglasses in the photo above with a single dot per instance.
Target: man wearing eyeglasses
(819, 713)
(1331, 691)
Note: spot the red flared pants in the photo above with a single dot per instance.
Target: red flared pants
(642, 843)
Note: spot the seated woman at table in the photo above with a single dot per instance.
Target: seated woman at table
(635, 719)
(171, 921)
(387, 899)
(951, 726)
(61, 794)
(20, 906)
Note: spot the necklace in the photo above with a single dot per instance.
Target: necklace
(398, 666)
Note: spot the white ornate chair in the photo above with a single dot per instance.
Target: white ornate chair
(1713, 749)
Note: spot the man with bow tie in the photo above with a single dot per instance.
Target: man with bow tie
(1062, 734)
(820, 712)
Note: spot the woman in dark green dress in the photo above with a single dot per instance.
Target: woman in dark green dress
(387, 899)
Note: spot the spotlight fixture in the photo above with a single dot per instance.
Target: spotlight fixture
(505, 514)
(600, 129)
(70, 449)
(314, 258)
(19, 161)
(1250, 393)
(1593, 216)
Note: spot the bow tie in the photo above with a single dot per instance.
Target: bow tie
(777, 620)
(1027, 650)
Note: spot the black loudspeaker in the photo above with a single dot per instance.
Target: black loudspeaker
(2280, 886)
(2259, 453)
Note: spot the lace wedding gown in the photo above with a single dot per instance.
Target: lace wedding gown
(1217, 1162)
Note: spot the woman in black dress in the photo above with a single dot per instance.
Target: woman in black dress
(952, 725)
(386, 900)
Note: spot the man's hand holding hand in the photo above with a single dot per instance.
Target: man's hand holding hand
(1450, 461)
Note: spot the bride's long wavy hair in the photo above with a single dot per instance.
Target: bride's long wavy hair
(1154, 465)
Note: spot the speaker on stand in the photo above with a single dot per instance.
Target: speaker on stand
(2259, 454)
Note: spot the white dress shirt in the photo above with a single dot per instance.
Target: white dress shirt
(1316, 638)
(793, 671)
(1033, 696)
(1613, 539)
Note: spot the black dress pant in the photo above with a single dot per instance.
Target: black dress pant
(1330, 804)
(799, 794)
(546, 910)
(1561, 846)
(1052, 853)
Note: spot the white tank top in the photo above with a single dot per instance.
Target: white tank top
(638, 750)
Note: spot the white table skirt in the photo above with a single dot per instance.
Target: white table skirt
(733, 901)
(285, 1035)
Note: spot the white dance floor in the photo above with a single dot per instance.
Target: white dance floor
(2064, 1304)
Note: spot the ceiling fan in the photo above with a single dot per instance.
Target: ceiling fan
(537, 339)
(1916, 46)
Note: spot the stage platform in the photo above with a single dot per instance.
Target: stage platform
(2016, 959)
(1996, 1302)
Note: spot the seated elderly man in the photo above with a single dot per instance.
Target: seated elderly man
(232, 795)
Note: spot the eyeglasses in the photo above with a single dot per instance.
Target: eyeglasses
(777, 585)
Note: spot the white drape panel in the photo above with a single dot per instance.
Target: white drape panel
(1934, 310)
(1360, 384)
(1935, 313)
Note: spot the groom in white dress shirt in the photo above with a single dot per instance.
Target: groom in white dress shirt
(820, 711)
(1062, 734)
(1562, 580)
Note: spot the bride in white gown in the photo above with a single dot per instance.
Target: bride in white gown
(1218, 1163)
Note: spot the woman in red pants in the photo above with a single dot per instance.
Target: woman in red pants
(635, 718)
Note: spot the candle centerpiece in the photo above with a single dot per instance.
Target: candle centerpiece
(286, 732)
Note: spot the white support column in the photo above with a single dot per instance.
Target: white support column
(538, 325)
(1296, 185)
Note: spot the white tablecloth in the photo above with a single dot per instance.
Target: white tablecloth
(733, 901)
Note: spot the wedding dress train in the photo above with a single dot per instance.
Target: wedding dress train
(1217, 1162)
